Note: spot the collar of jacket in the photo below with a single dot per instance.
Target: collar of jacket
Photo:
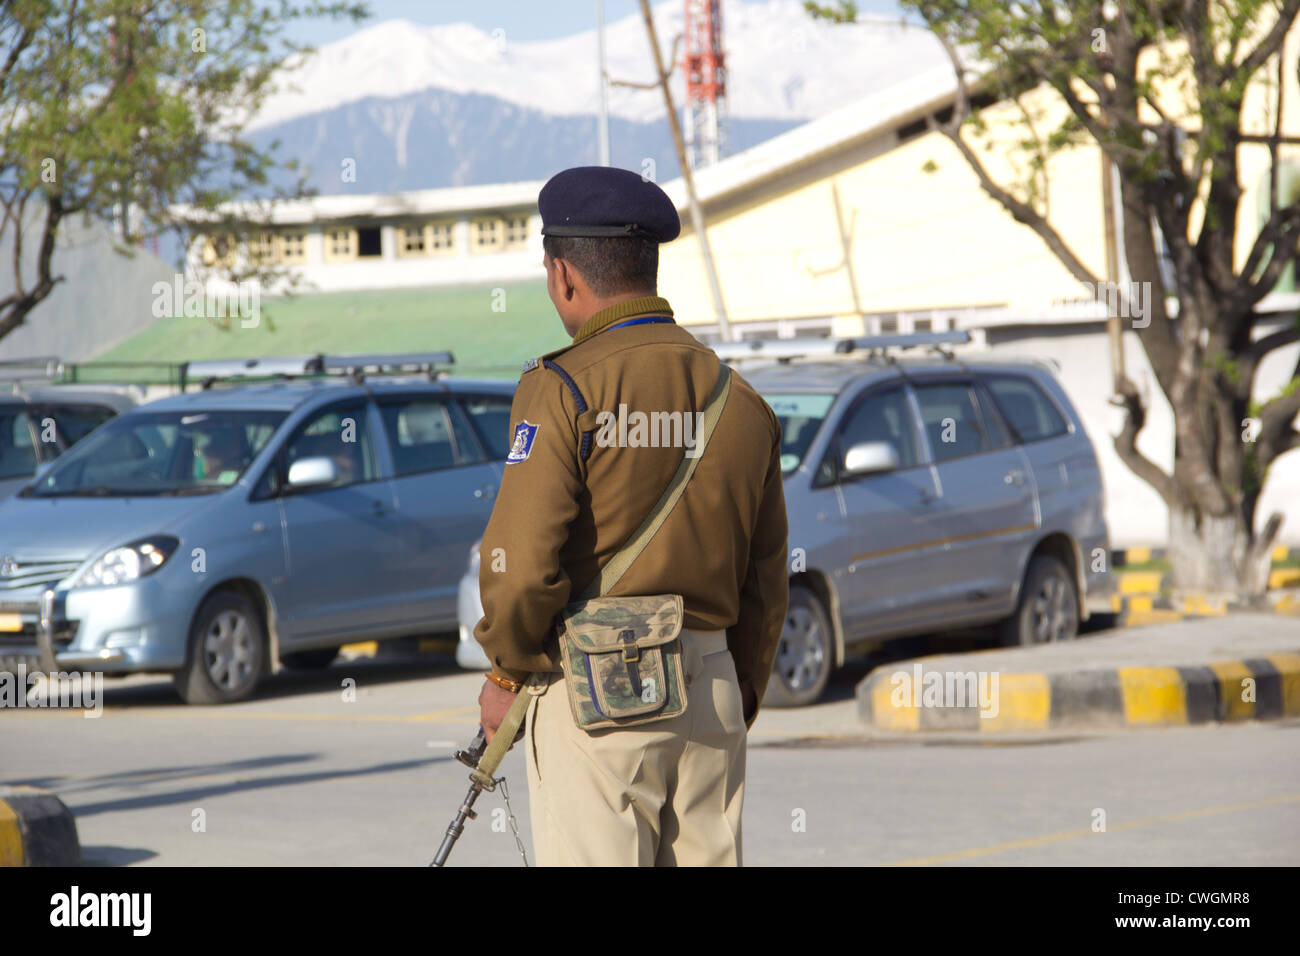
(631, 309)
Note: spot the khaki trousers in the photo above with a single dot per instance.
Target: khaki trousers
(668, 793)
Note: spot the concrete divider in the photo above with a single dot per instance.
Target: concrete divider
(36, 829)
(1243, 667)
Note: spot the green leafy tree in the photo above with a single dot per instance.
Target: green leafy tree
(127, 111)
(1178, 167)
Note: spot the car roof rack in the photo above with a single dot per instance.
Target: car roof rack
(355, 367)
(40, 369)
(783, 350)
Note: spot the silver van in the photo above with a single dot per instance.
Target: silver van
(923, 495)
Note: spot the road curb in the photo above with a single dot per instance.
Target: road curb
(904, 698)
(36, 829)
(1136, 608)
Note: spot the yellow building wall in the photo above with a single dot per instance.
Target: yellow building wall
(919, 239)
(926, 239)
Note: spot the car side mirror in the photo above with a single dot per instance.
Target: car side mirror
(313, 472)
(870, 457)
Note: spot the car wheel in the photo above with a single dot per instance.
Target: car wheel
(804, 655)
(313, 660)
(226, 650)
(1049, 606)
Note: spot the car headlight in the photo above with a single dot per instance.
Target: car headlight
(129, 562)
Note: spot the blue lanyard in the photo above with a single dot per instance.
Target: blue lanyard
(650, 319)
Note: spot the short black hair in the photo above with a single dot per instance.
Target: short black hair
(610, 265)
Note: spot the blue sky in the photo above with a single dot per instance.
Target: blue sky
(525, 19)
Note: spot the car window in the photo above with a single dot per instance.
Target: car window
(951, 420)
(800, 416)
(490, 415)
(1030, 412)
(161, 453)
(997, 431)
(75, 422)
(880, 417)
(341, 433)
(420, 435)
(17, 453)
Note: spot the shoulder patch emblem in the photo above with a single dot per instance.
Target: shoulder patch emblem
(529, 365)
(522, 444)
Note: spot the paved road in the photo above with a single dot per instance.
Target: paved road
(300, 776)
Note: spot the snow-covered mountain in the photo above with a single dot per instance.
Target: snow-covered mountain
(457, 105)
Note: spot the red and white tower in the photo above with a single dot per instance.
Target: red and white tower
(706, 83)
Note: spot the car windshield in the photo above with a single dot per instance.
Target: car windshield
(160, 453)
(800, 416)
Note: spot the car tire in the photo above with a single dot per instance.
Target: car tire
(805, 654)
(1048, 610)
(316, 659)
(227, 648)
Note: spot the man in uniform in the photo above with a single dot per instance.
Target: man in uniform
(668, 792)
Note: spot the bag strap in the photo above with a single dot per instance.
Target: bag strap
(631, 550)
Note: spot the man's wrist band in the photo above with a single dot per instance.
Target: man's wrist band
(505, 683)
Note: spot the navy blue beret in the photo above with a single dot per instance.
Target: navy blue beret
(604, 201)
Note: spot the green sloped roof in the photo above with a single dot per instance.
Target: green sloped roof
(486, 343)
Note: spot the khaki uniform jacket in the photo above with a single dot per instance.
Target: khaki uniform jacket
(558, 519)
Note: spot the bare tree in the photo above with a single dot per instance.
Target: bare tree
(1159, 88)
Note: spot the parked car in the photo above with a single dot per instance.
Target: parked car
(923, 495)
(217, 535)
(40, 423)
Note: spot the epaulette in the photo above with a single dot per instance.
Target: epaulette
(529, 366)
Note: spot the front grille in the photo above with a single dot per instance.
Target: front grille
(17, 574)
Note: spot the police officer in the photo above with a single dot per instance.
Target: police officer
(670, 792)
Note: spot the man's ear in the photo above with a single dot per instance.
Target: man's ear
(566, 278)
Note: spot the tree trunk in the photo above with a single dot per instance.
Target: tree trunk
(1217, 554)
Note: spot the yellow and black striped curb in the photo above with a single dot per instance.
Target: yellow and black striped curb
(36, 829)
(1134, 607)
(1140, 555)
(1257, 688)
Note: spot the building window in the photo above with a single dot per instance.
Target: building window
(487, 234)
(921, 325)
(516, 232)
(369, 245)
(889, 325)
(293, 248)
(442, 236)
(410, 241)
(340, 244)
(261, 248)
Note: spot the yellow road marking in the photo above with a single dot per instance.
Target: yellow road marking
(1087, 831)
(1137, 555)
(11, 837)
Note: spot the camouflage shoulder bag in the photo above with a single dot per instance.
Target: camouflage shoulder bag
(622, 656)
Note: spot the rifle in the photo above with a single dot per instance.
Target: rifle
(483, 759)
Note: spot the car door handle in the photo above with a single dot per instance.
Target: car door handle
(1014, 477)
(927, 496)
(378, 509)
(485, 491)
